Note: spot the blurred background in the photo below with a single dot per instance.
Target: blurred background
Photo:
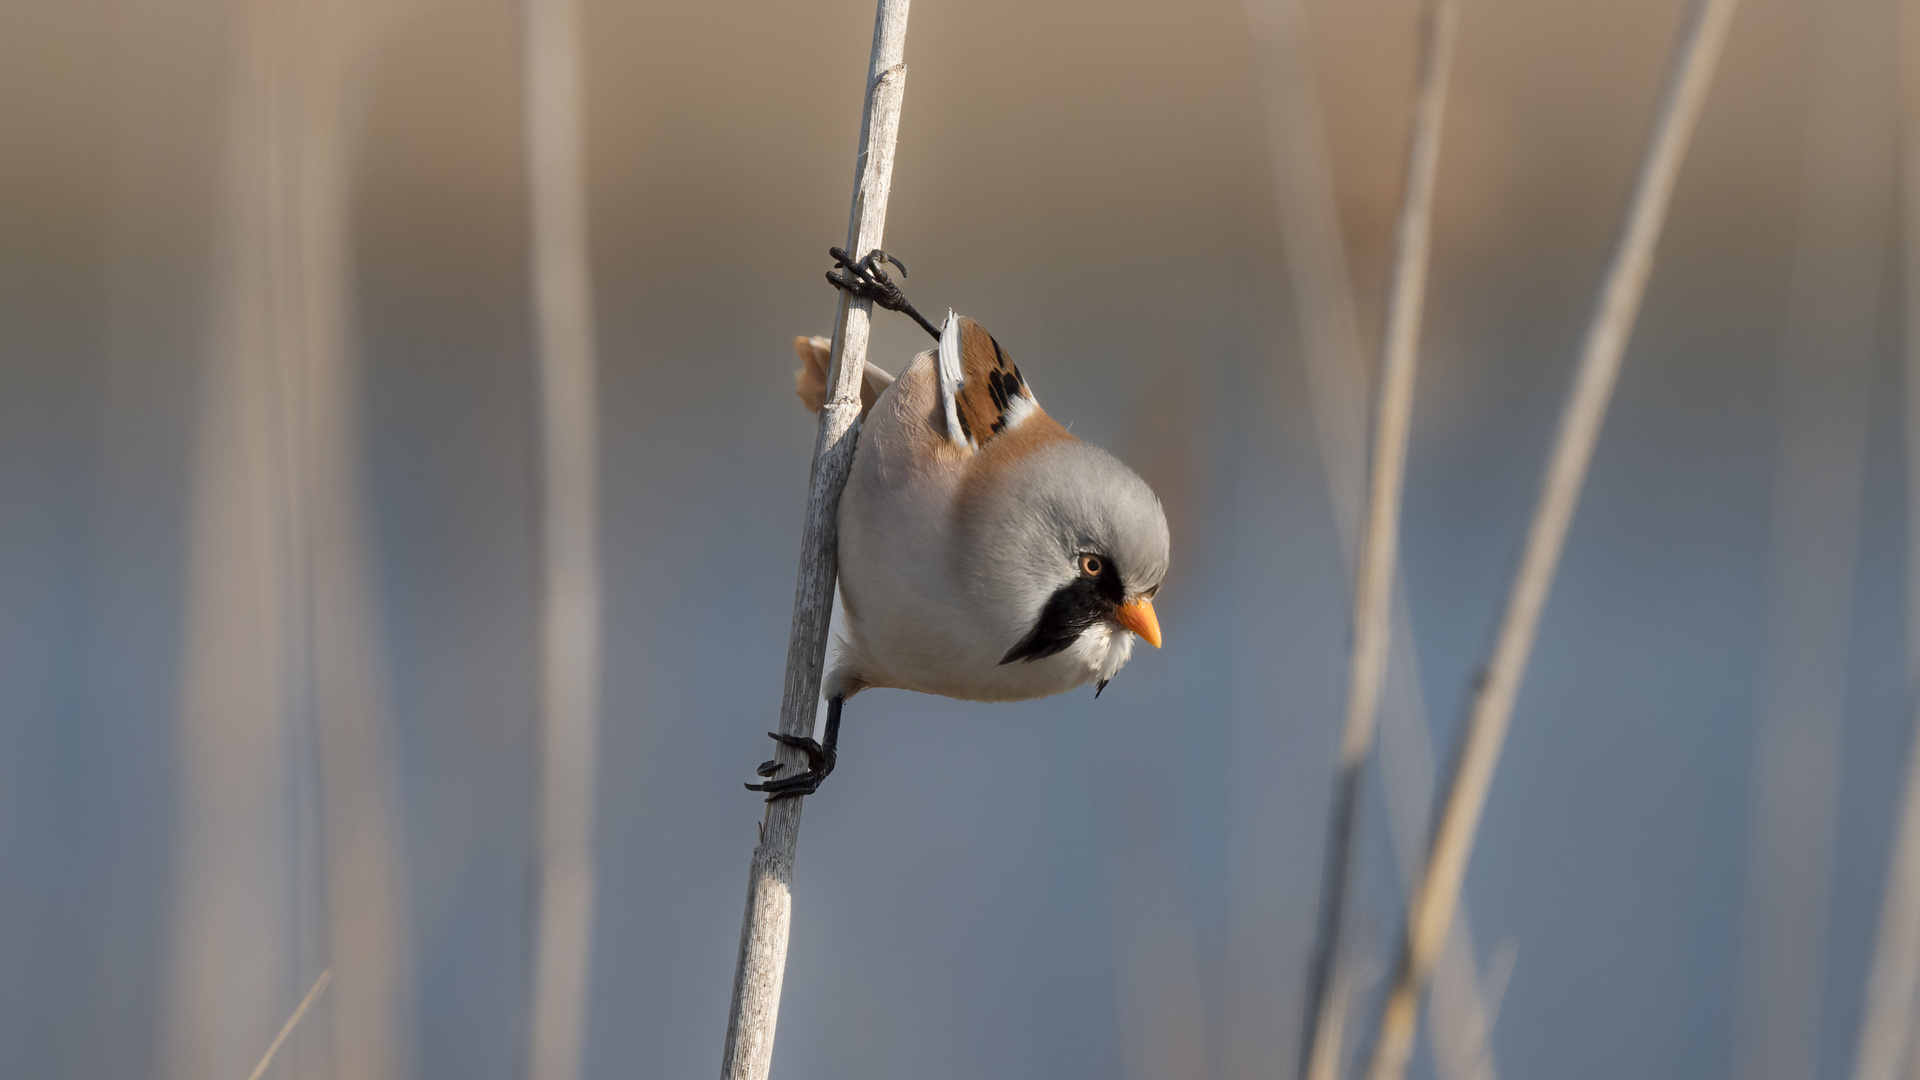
(269, 535)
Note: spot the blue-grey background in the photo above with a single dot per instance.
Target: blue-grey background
(1006, 891)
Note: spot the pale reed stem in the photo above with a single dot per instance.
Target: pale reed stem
(762, 960)
(569, 549)
(1323, 304)
(1431, 911)
(327, 48)
(286, 1029)
(1379, 543)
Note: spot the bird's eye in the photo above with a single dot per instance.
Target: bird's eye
(1091, 565)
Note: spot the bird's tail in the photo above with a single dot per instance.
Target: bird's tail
(810, 381)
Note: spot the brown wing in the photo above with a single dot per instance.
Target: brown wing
(989, 396)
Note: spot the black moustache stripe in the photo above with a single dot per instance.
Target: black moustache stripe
(1069, 612)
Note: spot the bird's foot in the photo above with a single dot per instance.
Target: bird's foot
(866, 278)
(820, 761)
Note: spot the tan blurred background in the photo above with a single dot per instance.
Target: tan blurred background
(1121, 887)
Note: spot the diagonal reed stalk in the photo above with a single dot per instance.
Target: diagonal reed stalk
(568, 543)
(762, 961)
(286, 1029)
(1379, 546)
(1336, 380)
(1431, 911)
(284, 680)
(323, 52)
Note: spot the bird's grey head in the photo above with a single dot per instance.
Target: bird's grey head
(1077, 541)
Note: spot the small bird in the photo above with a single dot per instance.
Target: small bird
(986, 553)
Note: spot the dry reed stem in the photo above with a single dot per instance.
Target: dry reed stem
(1315, 252)
(1464, 1004)
(240, 724)
(1845, 204)
(286, 1029)
(761, 965)
(1373, 591)
(1431, 911)
(323, 50)
(1886, 1025)
(1336, 382)
(282, 389)
(570, 647)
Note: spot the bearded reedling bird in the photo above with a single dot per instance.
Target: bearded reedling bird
(985, 552)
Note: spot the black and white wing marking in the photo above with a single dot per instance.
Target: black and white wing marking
(982, 392)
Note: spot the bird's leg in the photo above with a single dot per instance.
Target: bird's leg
(867, 279)
(820, 759)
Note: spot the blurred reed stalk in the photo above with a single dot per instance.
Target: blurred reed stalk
(244, 734)
(1832, 318)
(568, 543)
(1323, 1027)
(1431, 910)
(327, 48)
(1887, 1023)
(762, 961)
(284, 690)
(313, 994)
(1336, 380)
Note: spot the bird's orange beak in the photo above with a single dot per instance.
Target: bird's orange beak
(1138, 617)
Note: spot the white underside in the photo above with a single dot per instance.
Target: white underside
(911, 622)
(873, 653)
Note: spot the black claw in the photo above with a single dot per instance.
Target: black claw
(768, 768)
(864, 278)
(820, 762)
(820, 759)
(814, 751)
(805, 783)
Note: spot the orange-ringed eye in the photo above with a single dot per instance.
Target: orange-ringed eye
(1091, 565)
